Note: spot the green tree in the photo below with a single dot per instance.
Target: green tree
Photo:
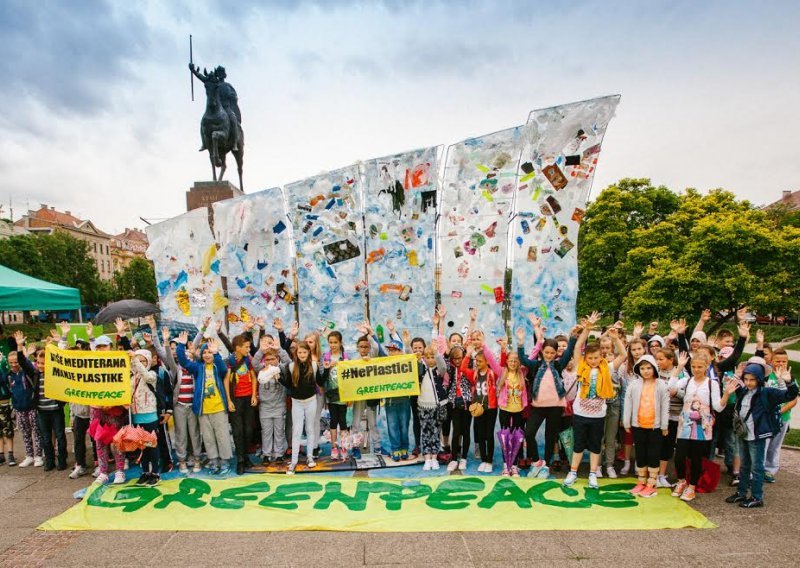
(609, 231)
(58, 258)
(137, 280)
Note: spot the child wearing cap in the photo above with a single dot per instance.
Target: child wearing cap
(271, 405)
(646, 414)
(398, 414)
(756, 406)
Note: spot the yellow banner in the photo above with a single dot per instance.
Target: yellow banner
(311, 502)
(384, 377)
(97, 378)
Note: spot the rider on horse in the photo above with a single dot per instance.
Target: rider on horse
(228, 98)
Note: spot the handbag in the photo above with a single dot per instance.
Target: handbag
(476, 409)
(568, 410)
(740, 424)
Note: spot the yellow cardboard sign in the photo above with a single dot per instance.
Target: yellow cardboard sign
(96, 378)
(311, 502)
(384, 377)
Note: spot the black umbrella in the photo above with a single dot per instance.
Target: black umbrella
(125, 309)
(175, 328)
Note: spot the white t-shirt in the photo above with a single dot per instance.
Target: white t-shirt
(427, 394)
(592, 406)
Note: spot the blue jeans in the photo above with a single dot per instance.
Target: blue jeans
(752, 454)
(398, 413)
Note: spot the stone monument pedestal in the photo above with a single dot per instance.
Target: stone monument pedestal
(204, 193)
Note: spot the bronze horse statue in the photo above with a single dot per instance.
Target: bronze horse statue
(221, 129)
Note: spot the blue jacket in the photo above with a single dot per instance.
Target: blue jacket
(23, 390)
(198, 371)
(765, 403)
(538, 367)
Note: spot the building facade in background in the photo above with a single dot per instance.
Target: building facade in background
(48, 220)
(130, 244)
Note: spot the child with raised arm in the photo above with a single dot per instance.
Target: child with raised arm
(23, 401)
(757, 409)
(271, 405)
(210, 402)
(647, 415)
(548, 393)
(595, 387)
(431, 400)
(301, 378)
(779, 378)
(695, 425)
(242, 391)
(337, 408)
(460, 383)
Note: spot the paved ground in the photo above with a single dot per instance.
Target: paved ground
(757, 538)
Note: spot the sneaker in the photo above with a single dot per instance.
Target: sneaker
(544, 473)
(142, 481)
(736, 498)
(182, 468)
(514, 471)
(679, 487)
(311, 463)
(751, 503)
(427, 466)
(355, 452)
(96, 471)
(119, 477)
(224, 470)
(452, 466)
(434, 464)
(77, 472)
(768, 477)
(395, 456)
(611, 472)
(572, 476)
(11, 461)
(593, 481)
(638, 489)
(153, 480)
(315, 453)
(734, 480)
(648, 491)
(481, 467)
(626, 468)
(290, 470)
(27, 462)
(415, 452)
(214, 469)
(197, 468)
(38, 462)
(663, 482)
(535, 467)
(688, 494)
(462, 464)
(599, 472)
(403, 455)
(334, 454)
(101, 479)
(505, 472)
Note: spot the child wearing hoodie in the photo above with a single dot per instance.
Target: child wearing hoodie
(757, 414)
(646, 413)
(144, 411)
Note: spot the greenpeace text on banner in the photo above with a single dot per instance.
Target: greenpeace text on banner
(386, 377)
(88, 377)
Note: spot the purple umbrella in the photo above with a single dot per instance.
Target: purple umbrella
(515, 443)
(504, 438)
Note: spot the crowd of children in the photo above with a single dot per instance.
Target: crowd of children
(671, 401)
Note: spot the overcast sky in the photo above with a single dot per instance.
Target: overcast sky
(97, 118)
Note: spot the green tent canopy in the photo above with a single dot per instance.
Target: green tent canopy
(20, 292)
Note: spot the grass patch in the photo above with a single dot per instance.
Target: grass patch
(792, 438)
